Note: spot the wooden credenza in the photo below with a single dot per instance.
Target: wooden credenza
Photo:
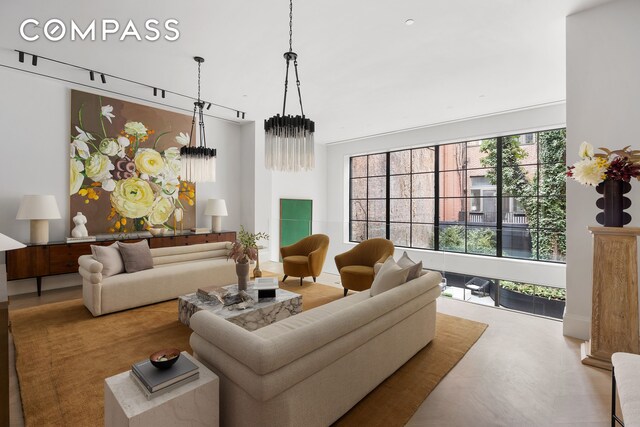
(53, 258)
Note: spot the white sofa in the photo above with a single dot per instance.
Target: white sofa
(177, 271)
(310, 369)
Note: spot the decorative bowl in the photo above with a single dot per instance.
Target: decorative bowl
(164, 359)
(156, 231)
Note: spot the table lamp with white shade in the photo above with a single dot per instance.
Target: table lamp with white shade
(39, 209)
(217, 208)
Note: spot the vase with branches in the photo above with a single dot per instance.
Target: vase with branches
(243, 251)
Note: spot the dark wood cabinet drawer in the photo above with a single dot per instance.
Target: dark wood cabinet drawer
(227, 237)
(64, 258)
(27, 262)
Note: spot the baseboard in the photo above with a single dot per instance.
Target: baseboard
(576, 326)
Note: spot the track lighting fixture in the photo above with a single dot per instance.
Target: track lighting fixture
(155, 91)
(103, 78)
(21, 56)
(163, 93)
(34, 60)
(92, 76)
(209, 106)
(243, 115)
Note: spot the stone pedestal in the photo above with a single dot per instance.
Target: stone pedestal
(614, 316)
(193, 404)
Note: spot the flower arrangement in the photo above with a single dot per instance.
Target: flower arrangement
(245, 248)
(142, 182)
(616, 165)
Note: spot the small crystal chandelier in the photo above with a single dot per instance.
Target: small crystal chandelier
(289, 139)
(198, 162)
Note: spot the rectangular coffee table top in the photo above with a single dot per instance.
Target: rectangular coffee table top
(264, 312)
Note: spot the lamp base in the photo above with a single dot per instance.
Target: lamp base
(216, 224)
(39, 231)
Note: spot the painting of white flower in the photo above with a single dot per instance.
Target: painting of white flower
(125, 166)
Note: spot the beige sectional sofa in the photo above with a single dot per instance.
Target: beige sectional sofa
(309, 369)
(177, 271)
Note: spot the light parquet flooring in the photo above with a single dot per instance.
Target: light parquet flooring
(521, 372)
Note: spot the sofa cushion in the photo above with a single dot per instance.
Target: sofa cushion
(416, 268)
(110, 258)
(389, 276)
(136, 256)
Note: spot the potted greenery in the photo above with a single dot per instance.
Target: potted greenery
(243, 251)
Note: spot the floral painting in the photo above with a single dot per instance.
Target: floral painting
(125, 166)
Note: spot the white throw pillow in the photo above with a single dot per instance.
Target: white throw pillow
(110, 258)
(416, 268)
(389, 276)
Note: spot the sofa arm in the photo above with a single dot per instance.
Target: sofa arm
(245, 347)
(90, 264)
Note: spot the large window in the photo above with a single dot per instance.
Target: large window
(500, 197)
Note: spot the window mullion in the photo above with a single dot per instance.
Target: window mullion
(499, 192)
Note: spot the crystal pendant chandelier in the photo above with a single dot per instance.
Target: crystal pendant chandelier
(198, 162)
(289, 139)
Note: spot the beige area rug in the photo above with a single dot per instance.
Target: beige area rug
(63, 355)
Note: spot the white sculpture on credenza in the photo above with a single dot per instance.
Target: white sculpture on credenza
(80, 230)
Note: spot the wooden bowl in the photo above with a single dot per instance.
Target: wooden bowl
(164, 359)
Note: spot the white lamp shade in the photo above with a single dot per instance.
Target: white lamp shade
(8, 244)
(38, 207)
(216, 207)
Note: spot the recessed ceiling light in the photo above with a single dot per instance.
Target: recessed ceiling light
(409, 22)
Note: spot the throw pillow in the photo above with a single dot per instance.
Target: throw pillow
(136, 256)
(389, 276)
(110, 258)
(415, 268)
(378, 265)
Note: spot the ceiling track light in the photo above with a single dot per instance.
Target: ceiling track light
(34, 60)
(209, 106)
(92, 75)
(20, 56)
(289, 140)
(243, 115)
(163, 93)
(155, 91)
(198, 162)
(103, 78)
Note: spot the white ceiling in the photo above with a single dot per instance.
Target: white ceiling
(363, 71)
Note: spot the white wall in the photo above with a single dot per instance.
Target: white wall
(603, 107)
(34, 159)
(301, 185)
(548, 117)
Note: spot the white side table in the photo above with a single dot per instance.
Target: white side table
(193, 404)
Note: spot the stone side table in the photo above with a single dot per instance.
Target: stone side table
(193, 404)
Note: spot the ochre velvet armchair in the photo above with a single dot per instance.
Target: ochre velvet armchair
(356, 265)
(306, 257)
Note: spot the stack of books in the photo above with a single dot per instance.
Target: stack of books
(153, 381)
(81, 239)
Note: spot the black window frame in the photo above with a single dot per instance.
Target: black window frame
(499, 197)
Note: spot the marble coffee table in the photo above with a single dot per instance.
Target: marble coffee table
(264, 312)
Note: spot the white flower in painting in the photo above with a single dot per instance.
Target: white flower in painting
(81, 148)
(183, 138)
(178, 214)
(98, 167)
(172, 153)
(124, 143)
(109, 147)
(169, 187)
(589, 172)
(136, 129)
(83, 136)
(76, 176)
(160, 212)
(149, 161)
(109, 185)
(585, 150)
(106, 112)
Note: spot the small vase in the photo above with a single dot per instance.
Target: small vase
(613, 203)
(242, 270)
(256, 271)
